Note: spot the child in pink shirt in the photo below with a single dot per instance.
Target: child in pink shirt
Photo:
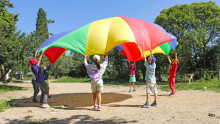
(132, 78)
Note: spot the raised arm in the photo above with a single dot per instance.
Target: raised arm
(40, 59)
(168, 57)
(49, 67)
(102, 58)
(35, 55)
(134, 66)
(151, 52)
(85, 60)
(88, 59)
(175, 57)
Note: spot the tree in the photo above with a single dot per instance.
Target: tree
(197, 27)
(7, 28)
(41, 27)
(63, 66)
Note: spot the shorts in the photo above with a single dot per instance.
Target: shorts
(151, 87)
(132, 78)
(97, 86)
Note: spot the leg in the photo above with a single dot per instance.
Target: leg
(155, 96)
(48, 89)
(99, 98)
(94, 97)
(171, 84)
(133, 85)
(130, 85)
(147, 97)
(44, 93)
(36, 90)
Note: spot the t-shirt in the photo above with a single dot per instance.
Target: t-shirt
(93, 67)
(150, 72)
(45, 72)
(132, 70)
(96, 74)
(173, 68)
(39, 76)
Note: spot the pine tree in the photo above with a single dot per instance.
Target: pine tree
(41, 27)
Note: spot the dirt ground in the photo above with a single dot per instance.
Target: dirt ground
(72, 103)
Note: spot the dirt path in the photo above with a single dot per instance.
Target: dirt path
(72, 103)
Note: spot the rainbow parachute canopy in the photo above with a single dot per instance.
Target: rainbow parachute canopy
(130, 36)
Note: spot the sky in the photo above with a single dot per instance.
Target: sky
(73, 14)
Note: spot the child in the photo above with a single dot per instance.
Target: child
(95, 72)
(40, 80)
(92, 62)
(132, 78)
(150, 80)
(34, 83)
(173, 67)
(45, 73)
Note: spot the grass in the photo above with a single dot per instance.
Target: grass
(66, 79)
(201, 84)
(107, 81)
(7, 88)
(4, 104)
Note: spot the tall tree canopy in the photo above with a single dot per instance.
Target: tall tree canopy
(197, 27)
(41, 27)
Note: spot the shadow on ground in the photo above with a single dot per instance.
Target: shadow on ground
(73, 100)
(77, 119)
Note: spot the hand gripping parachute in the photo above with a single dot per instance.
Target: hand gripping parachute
(130, 36)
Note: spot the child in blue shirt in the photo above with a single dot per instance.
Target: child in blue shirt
(150, 80)
(40, 80)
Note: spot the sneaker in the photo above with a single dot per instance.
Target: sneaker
(134, 90)
(129, 90)
(50, 97)
(171, 94)
(34, 100)
(154, 104)
(99, 108)
(146, 105)
(96, 107)
(45, 106)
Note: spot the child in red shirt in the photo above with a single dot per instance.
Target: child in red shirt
(173, 67)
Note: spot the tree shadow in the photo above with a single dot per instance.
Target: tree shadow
(72, 101)
(77, 119)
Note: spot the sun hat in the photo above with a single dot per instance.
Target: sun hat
(96, 57)
(32, 61)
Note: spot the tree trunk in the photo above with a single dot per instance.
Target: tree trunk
(2, 78)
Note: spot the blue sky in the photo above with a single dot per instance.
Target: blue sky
(72, 14)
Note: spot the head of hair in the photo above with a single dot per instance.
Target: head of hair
(97, 63)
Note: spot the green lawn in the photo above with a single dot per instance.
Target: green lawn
(66, 79)
(7, 88)
(4, 104)
(202, 84)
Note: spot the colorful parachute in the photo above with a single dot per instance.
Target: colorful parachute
(130, 36)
